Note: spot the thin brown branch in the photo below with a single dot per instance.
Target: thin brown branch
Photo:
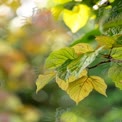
(103, 62)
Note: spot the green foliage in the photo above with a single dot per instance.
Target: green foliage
(57, 58)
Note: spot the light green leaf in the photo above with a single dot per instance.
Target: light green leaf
(117, 53)
(80, 89)
(99, 85)
(57, 58)
(115, 73)
(105, 41)
(43, 80)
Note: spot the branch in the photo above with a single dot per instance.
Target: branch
(103, 62)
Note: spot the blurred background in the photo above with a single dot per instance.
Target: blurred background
(27, 36)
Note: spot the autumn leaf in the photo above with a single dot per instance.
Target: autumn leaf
(80, 88)
(61, 83)
(44, 80)
(64, 84)
(81, 48)
(99, 85)
(105, 41)
(77, 18)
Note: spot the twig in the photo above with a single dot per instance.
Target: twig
(103, 62)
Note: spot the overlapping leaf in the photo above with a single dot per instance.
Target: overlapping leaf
(44, 80)
(64, 84)
(57, 58)
(80, 89)
(78, 65)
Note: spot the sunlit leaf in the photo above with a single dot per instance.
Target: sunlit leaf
(81, 48)
(105, 41)
(57, 58)
(99, 85)
(117, 53)
(115, 73)
(80, 89)
(77, 18)
(43, 80)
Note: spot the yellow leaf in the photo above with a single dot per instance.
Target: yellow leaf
(99, 85)
(76, 18)
(105, 41)
(43, 80)
(73, 78)
(64, 84)
(61, 83)
(80, 89)
(82, 48)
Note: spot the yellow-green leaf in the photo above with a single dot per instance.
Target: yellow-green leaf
(43, 80)
(77, 18)
(115, 73)
(81, 48)
(99, 85)
(105, 41)
(117, 53)
(58, 57)
(80, 89)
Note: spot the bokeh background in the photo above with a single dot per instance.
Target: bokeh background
(27, 36)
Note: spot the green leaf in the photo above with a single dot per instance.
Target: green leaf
(99, 85)
(76, 66)
(87, 38)
(105, 41)
(80, 89)
(57, 58)
(115, 73)
(117, 53)
(43, 80)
